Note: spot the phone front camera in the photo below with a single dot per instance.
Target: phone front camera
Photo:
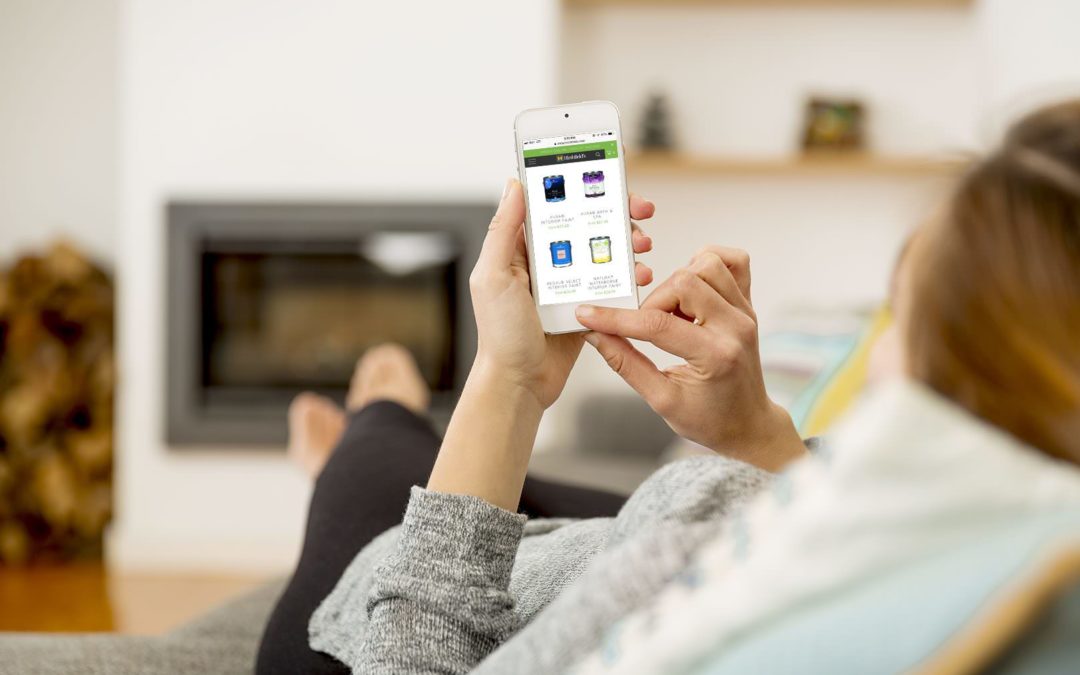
(566, 114)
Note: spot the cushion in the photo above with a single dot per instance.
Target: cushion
(952, 613)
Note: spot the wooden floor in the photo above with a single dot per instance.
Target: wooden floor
(87, 597)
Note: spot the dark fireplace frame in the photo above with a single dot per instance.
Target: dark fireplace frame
(190, 420)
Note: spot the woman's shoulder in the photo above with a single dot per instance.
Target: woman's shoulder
(690, 490)
(709, 472)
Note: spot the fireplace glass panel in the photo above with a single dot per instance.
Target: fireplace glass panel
(268, 299)
(298, 318)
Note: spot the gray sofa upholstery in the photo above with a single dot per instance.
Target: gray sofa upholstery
(620, 442)
(222, 642)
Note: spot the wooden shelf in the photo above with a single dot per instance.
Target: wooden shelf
(825, 164)
(772, 3)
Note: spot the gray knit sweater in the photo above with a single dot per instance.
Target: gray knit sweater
(463, 586)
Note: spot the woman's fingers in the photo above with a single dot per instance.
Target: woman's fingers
(737, 261)
(642, 242)
(634, 367)
(713, 270)
(641, 208)
(500, 244)
(666, 331)
(521, 252)
(643, 274)
(687, 295)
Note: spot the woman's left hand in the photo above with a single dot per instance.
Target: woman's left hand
(519, 371)
(512, 346)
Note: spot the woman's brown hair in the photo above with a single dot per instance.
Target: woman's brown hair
(993, 315)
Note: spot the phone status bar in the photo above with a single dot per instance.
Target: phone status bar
(556, 141)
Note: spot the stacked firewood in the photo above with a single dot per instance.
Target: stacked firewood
(56, 407)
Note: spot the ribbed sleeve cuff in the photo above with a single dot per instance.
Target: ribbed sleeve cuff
(455, 556)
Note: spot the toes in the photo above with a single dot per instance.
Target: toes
(326, 406)
(309, 404)
(315, 426)
(388, 371)
(387, 355)
(302, 403)
(390, 350)
(385, 358)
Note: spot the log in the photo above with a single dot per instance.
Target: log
(57, 384)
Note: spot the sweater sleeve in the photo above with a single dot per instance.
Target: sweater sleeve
(440, 603)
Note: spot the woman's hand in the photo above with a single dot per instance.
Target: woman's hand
(717, 398)
(519, 371)
(511, 344)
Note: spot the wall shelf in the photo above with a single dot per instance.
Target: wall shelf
(825, 164)
(771, 3)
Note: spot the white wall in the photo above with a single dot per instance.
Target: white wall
(288, 99)
(1030, 55)
(936, 80)
(812, 241)
(737, 75)
(58, 127)
(736, 78)
(335, 99)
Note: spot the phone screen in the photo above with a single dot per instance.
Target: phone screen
(577, 213)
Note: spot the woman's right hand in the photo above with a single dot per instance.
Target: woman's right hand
(703, 314)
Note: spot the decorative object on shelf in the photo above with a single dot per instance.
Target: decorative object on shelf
(56, 407)
(656, 132)
(833, 124)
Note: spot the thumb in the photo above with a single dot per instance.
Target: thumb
(631, 365)
(500, 243)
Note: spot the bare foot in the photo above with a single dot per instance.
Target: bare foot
(388, 373)
(315, 425)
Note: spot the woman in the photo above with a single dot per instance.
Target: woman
(365, 459)
(387, 447)
(990, 318)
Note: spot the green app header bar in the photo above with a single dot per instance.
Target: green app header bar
(610, 148)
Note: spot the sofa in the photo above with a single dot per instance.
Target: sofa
(225, 640)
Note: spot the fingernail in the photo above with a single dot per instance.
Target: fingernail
(592, 338)
(506, 189)
(585, 311)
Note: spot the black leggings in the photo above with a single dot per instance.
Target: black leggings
(361, 492)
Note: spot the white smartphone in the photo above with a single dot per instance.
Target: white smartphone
(577, 222)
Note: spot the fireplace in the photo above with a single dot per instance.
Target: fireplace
(267, 300)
